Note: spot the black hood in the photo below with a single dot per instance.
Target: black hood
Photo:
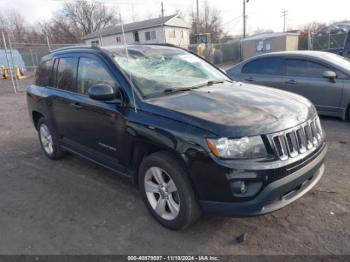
(235, 110)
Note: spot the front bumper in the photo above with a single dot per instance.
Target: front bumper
(274, 196)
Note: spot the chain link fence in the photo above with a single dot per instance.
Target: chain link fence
(219, 53)
(18, 61)
(324, 42)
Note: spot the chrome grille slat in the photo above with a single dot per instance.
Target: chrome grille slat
(314, 133)
(297, 141)
(301, 140)
(280, 147)
(308, 135)
(291, 143)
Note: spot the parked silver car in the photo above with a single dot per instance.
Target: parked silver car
(322, 77)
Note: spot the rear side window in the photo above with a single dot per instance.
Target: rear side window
(91, 72)
(43, 73)
(66, 73)
(298, 67)
(264, 66)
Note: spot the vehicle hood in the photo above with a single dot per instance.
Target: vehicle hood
(235, 110)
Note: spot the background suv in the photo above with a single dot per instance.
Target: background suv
(179, 128)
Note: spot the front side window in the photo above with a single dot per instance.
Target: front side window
(66, 72)
(304, 68)
(91, 72)
(154, 70)
(43, 73)
(264, 66)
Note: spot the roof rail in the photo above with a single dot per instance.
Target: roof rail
(74, 47)
(161, 44)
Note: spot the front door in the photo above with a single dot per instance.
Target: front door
(306, 78)
(89, 127)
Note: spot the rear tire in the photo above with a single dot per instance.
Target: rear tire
(48, 140)
(167, 191)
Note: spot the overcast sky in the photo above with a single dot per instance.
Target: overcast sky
(262, 14)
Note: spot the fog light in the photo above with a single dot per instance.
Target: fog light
(245, 188)
(239, 187)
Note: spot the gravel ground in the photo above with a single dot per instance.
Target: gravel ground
(72, 206)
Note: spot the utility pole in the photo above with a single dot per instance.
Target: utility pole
(8, 63)
(197, 20)
(284, 15)
(244, 18)
(48, 42)
(162, 8)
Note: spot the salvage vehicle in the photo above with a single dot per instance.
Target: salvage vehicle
(322, 77)
(192, 139)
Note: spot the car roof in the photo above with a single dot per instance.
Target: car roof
(108, 49)
(306, 53)
(322, 56)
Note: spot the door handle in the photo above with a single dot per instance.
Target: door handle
(249, 79)
(76, 105)
(291, 82)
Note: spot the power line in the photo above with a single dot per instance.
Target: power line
(232, 20)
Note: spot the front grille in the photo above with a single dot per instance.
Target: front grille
(299, 140)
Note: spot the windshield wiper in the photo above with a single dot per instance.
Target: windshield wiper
(174, 90)
(183, 89)
(211, 82)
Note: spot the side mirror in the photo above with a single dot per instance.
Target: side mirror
(102, 92)
(331, 75)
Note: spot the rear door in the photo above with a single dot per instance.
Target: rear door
(64, 83)
(305, 77)
(264, 71)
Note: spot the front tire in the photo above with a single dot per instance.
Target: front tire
(48, 140)
(167, 192)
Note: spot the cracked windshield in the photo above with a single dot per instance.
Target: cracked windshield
(155, 71)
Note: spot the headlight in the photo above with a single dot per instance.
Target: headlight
(243, 148)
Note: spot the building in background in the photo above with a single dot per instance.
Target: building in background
(168, 29)
(270, 42)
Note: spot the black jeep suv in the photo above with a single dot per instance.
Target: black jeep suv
(190, 137)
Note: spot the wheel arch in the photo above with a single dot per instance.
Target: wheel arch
(143, 149)
(36, 117)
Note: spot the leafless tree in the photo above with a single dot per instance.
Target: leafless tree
(78, 18)
(209, 22)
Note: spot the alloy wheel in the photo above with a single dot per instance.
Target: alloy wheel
(162, 193)
(46, 139)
